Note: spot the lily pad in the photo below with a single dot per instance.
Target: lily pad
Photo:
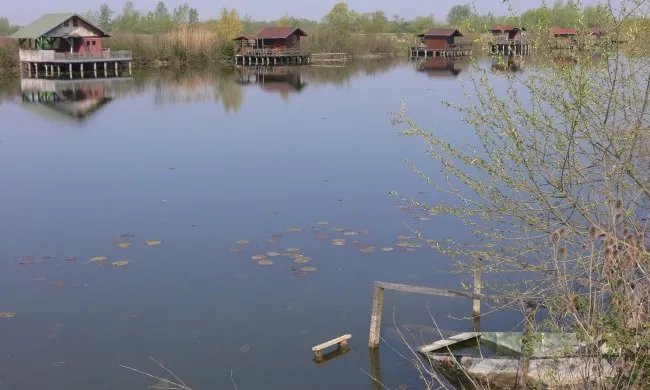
(292, 249)
(402, 244)
(120, 263)
(242, 242)
(368, 249)
(6, 314)
(153, 242)
(294, 229)
(273, 254)
(302, 259)
(98, 258)
(351, 233)
(236, 249)
(389, 249)
(322, 223)
(57, 284)
(124, 244)
(308, 269)
(338, 242)
(258, 257)
(265, 262)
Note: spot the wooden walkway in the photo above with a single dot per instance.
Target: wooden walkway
(267, 57)
(450, 51)
(509, 47)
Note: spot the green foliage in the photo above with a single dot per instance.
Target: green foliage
(6, 28)
(459, 14)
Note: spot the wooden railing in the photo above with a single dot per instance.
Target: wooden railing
(271, 52)
(51, 56)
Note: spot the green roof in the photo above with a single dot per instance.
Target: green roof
(47, 23)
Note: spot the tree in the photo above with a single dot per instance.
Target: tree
(228, 26)
(193, 15)
(105, 16)
(556, 185)
(5, 27)
(459, 13)
(340, 17)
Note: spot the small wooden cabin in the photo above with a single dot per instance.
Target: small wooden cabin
(279, 38)
(564, 35)
(439, 38)
(62, 33)
(507, 32)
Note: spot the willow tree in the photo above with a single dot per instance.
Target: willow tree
(557, 186)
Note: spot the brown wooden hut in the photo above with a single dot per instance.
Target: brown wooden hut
(507, 32)
(280, 38)
(439, 38)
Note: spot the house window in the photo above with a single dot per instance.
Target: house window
(94, 43)
(74, 22)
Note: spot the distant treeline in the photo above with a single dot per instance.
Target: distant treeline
(162, 19)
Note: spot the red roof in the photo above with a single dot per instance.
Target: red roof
(595, 31)
(564, 31)
(506, 28)
(441, 32)
(279, 32)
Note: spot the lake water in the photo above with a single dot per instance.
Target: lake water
(199, 161)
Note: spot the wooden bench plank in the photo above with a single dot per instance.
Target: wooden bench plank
(332, 342)
(449, 341)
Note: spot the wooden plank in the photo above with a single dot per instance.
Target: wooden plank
(448, 341)
(375, 317)
(332, 342)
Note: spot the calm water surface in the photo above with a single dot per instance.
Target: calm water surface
(200, 161)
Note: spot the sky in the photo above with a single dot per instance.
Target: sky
(24, 11)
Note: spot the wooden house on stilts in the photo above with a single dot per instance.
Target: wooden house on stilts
(272, 46)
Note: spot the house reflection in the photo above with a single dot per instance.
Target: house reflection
(442, 66)
(282, 80)
(68, 99)
(506, 64)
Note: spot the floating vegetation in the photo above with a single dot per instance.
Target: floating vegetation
(71, 258)
(339, 229)
(26, 262)
(46, 257)
(351, 233)
(243, 242)
(294, 229)
(292, 250)
(302, 259)
(6, 314)
(273, 254)
(338, 242)
(265, 262)
(271, 241)
(308, 269)
(402, 238)
(153, 242)
(368, 249)
(388, 249)
(126, 235)
(415, 245)
(421, 218)
(98, 258)
(409, 249)
(258, 257)
(236, 249)
(322, 236)
(57, 284)
(124, 244)
(402, 244)
(323, 223)
(120, 263)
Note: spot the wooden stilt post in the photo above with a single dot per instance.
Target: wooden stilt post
(70, 69)
(375, 318)
(476, 304)
(95, 69)
(58, 70)
(29, 68)
(130, 68)
(82, 70)
(116, 71)
(375, 369)
(45, 66)
(529, 323)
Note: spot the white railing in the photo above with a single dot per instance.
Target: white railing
(51, 56)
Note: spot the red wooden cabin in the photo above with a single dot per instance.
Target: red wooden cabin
(439, 38)
(507, 32)
(280, 38)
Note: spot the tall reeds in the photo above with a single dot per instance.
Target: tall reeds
(8, 55)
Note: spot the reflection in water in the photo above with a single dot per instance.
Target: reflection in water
(442, 66)
(506, 64)
(282, 80)
(69, 99)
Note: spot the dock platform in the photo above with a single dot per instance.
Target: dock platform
(49, 63)
(420, 51)
(272, 57)
(510, 47)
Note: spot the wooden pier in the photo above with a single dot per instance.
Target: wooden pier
(272, 57)
(48, 63)
(510, 47)
(420, 51)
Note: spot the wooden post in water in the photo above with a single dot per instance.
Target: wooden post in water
(529, 323)
(130, 68)
(58, 70)
(116, 71)
(476, 303)
(82, 70)
(375, 318)
(375, 369)
(95, 69)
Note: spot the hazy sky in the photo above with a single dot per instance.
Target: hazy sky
(24, 11)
